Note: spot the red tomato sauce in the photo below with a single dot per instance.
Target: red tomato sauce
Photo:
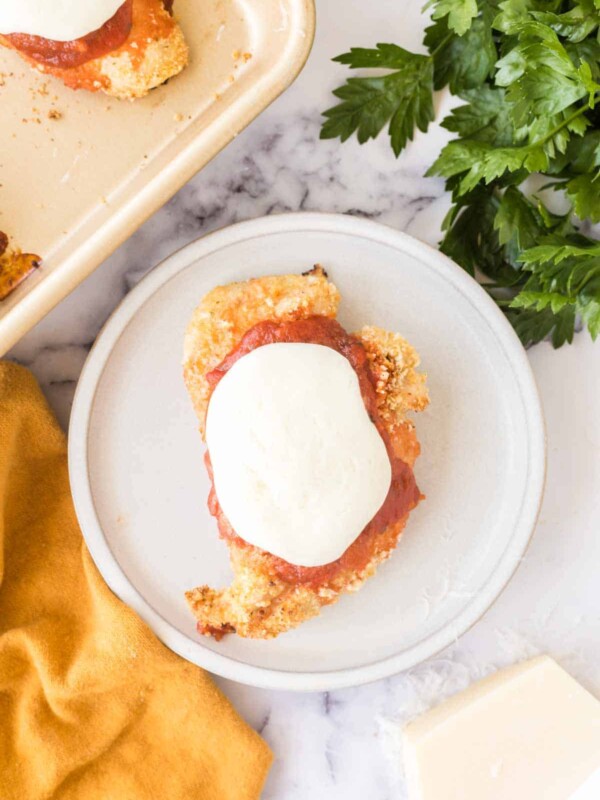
(403, 494)
(78, 51)
(66, 55)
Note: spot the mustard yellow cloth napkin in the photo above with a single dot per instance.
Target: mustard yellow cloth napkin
(92, 705)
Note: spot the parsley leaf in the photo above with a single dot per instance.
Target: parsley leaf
(533, 326)
(584, 155)
(461, 62)
(554, 133)
(459, 13)
(490, 233)
(519, 224)
(590, 314)
(584, 193)
(564, 270)
(485, 118)
(580, 165)
(390, 56)
(556, 249)
(528, 72)
(471, 240)
(402, 98)
(580, 156)
(514, 12)
(480, 161)
(540, 76)
(587, 51)
(575, 25)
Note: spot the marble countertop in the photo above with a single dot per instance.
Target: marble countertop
(342, 745)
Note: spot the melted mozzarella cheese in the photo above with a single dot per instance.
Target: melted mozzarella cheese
(299, 468)
(60, 20)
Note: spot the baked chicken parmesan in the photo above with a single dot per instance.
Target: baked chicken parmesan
(121, 48)
(310, 448)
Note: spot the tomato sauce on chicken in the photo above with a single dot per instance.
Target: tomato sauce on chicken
(67, 55)
(96, 44)
(403, 494)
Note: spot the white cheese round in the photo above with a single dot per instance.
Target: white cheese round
(299, 468)
(60, 20)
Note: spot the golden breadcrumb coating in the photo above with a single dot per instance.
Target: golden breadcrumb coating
(162, 60)
(258, 603)
(227, 312)
(154, 52)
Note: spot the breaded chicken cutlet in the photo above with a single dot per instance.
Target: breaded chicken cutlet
(138, 49)
(269, 596)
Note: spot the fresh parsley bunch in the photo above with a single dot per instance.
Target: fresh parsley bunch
(529, 74)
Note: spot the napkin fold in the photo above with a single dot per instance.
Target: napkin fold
(92, 705)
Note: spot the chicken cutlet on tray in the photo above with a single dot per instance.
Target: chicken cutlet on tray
(268, 595)
(139, 48)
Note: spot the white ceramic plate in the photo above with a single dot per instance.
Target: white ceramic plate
(140, 486)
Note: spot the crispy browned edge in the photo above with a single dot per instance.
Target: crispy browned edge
(258, 604)
(119, 75)
(14, 267)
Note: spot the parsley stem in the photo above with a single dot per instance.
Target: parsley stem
(563, 124)
(433, 53)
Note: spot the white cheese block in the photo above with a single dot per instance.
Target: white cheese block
(590, 790)
(60, 20)
(530, 732)
(299, 468)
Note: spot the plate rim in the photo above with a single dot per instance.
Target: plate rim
(227, 666)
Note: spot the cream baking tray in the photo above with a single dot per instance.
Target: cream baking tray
(79, 172)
